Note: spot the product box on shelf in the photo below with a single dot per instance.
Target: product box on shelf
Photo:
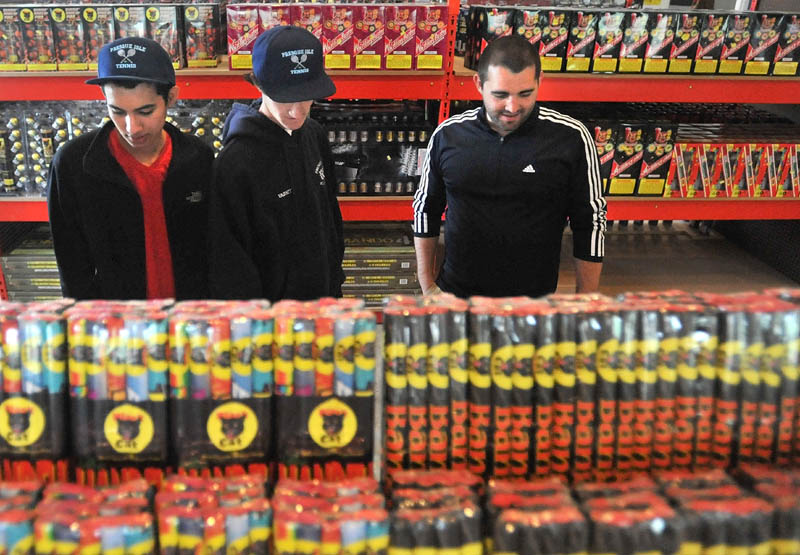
(400, 36)
(461, 31)
(634, 42)
(243, 29)
(605, 135)
(609, 41)
(309, 17)
(688, 168)
(12, 47)
(553, 46)
(656, 159)
(201, 33)
(662, 36)
(709, 47)
(37, 34)
(273, 15)
(712, 170)
(130, 21)
(98, 21)
(431, 36)
(736, 179)
(627, 164)
(738, 29)
(337, 36)
(368, 36)
(672, 188)
(685, 44)
(528, 23)
(489, 23)
(164, 26)
(580, 44)
(760, 169)
(68, 33)
(786, 177)
(766, 32)
(787, 55)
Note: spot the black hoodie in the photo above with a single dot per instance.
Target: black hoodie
(275, 225)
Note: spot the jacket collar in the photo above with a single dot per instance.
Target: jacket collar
(527, 125)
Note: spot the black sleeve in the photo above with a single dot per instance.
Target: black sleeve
(233, 273)
(75, 265)
(336, 213)
(587, 214)
(431, 198)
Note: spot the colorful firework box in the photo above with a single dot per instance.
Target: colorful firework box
(201, 35)
(273, 15)
(709, 47)
(528, 23)
(489, 23)
(634, 42)
(309, 17)
(12, 46)
(609, 42)
(656, 160)
(337, 36)
(164, 25)
(368, 36)
(660, 44)
(99, 24)
(431, 37)
(400, 36)
(130, 21)
(685, 44)
(627, 164)
(243, 30)
(787, 54)
(37, 35)
(580, 44)
(738, 31)
(70, 38)
(688, 160)
(761, 52)
(605, 139)
(553, 45)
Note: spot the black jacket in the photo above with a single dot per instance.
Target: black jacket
(275, 227)
(98, 225)
(507, 201)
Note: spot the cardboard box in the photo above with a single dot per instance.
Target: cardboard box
(685, 44)
(461, 31)
(431, 36)
(709, 47)
(553, 46)
(760, 169)
(738, 29)
(243, 29)
(98, 22)
(673, 188)
(379, 280)
(787, 55)
(712, 170)
(580, 44)
(627, 165)
(130, 21)
(656, 160)
(309, 17)
(37, 34)
(736, 180)
(69, 37)
(489, 23)
(662, 35)
(337, 36)
(273, 15)
(528, 23)
(609, 42)
(784, 157)
(12, 48)
(688, 170)
(368, 36)
(767, 31)
(400, 36)
(201, 34)
(605, 137)
(164, 26)
(634, 42)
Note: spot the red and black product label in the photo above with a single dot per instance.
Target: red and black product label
(588, 328)
(523, 336)
(671, 335)
(529, 23)
(772, 363)
(787, 54)
(502, 365)
(750, 386)
(709, 47)
(553, 46)
(788, 447)
(480, 391)
(738, 31)
(563, 393)
(684, 46)
(732, 341)
(626, 389)
(766, 32)
(606, 394)
(37, 35)
(609, 42)
(459, 380)
(543, 366)
(68, 33)
(634, 42)
(686, 391)
(605, 140)
(627, 165)
(707, 335)
(417, 373)
(580, 44)
(659, 45)
(438, 386)
(395, 355)
(656, 159)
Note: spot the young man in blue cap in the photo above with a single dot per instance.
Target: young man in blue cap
(127, 202)
(276, 228)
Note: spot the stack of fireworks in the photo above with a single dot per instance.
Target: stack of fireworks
(348, 516)
(228, 515)
(602, 388)
(79, 519)
(220, 383)
(436, 511)
(17, 500)
(322, 357)
(33, 360)
(118, 382)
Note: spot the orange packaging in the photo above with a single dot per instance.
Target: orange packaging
(735, 170)
(243, 30)
(309, 17)
(712, 170)
(400, 36)
(273, 15)
(688, 168)
(431, 36)
(760, 169)
(337, 36)
(673, 188)
(368, 33)
(785, 184)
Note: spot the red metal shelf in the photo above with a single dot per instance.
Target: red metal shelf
(619, 208)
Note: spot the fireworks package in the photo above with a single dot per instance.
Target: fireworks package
(368, 36)
(37, 35)
(561, 530)
(609, 42)
(32, 423)
(786, 171)
(164, 26)
(735, 164)
(130, 21)
(787, 54)
(12, 46)
(273, 15)
(553, 45)
(98, 22)
(627, 164)
(659, 46)
(337, 36)
(709, 47)
(243, 29)
(309, 17)
(580, 44)
(685, 44)
(687, 159)
(399, 36)
(201, 34)
(220, 374)
(489, 23)
(738, 31)
(634, 42)
(528, 23)
(605, 137)
(712, 170)
(431, 37)
(69, 36)
(760, 169)
(766, 33)
(656, 160)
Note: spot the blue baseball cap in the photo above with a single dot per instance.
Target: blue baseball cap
(288, 65)
(134, 59)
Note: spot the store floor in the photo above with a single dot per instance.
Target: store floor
(640, 258)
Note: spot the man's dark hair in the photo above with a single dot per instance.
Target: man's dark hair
(512, 52)
(162, 89)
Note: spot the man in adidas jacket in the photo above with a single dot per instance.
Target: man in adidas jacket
(509, 174)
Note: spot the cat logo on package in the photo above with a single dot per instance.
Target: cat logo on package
(332, 424)
(153, 14)
(122, 14)
(21, 422)
(59, 15)
(232, 427)
(90, 15)
(128, 429)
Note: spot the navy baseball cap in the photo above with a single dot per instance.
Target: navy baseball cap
(287, 65)
(134, 59)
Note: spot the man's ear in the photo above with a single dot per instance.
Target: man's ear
(172, 97)
(477, 80)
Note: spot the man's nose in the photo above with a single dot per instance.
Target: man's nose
(512, 104)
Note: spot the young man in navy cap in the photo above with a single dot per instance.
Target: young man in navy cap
(276, 229)
(127, 202)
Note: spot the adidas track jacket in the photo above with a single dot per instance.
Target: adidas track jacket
(507, 200)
